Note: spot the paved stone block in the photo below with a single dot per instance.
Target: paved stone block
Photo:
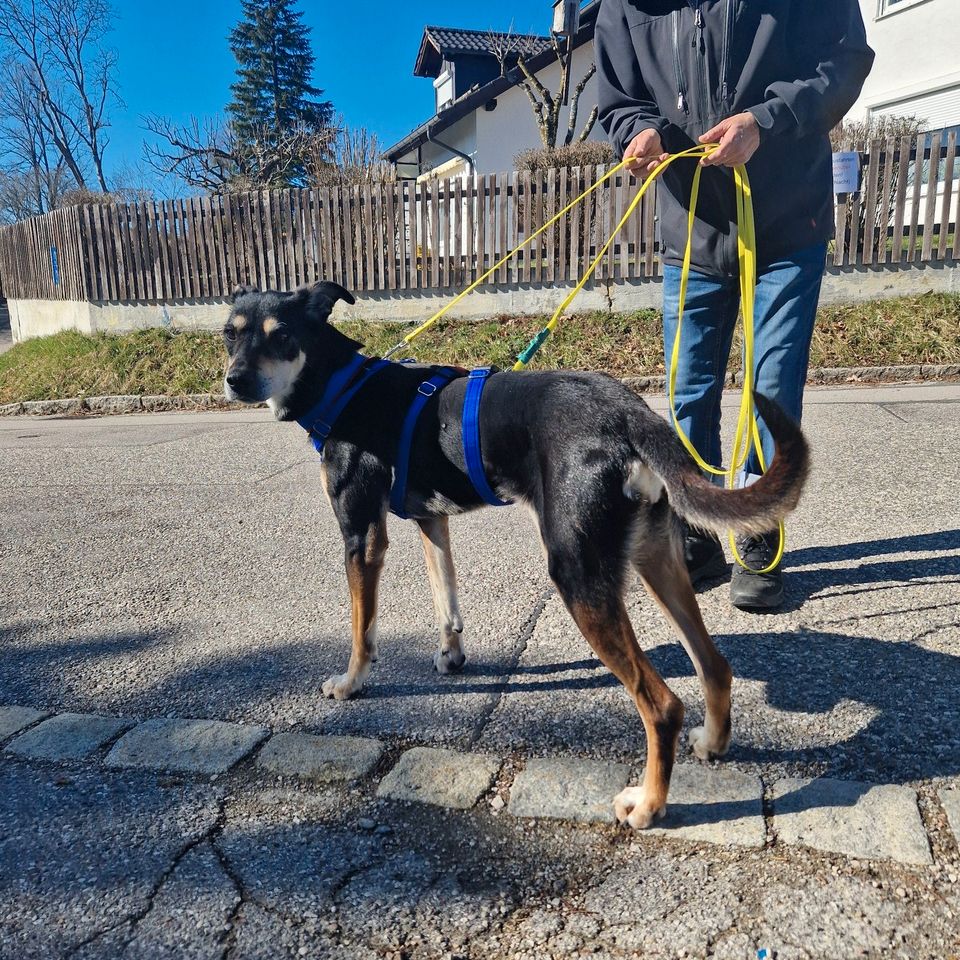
(568, 789)
(52, 408)
(718, 805)
(113, 405)
(14, 719)
(322, 759)
(68, 736)
(856, 819)
(441, 777)
(185, 746)
(951, 804)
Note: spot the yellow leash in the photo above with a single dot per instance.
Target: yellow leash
(747, 431)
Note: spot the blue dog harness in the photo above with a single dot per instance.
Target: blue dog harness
(321, 419)
(425, 391)
(471, 437)
(347, 382)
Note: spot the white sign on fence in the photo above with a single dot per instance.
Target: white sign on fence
(846, 172)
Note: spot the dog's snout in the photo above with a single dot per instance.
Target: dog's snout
(236, 378)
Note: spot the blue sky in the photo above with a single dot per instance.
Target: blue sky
(174, 59)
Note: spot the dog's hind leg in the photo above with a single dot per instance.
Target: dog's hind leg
(435, 533)
(667, 581)
(364, 558)
(608, 630)
(589, 579)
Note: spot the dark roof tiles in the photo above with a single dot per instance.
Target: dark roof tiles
(453, 40)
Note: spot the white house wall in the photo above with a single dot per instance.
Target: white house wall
(512, 128)
(916, 44)
(462, 135)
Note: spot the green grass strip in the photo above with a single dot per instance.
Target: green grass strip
(908, 330)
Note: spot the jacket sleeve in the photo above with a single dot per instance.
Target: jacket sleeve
(832, 43)
(625, 105)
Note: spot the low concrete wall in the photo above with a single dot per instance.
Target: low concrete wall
(39, 318)
(36, 318)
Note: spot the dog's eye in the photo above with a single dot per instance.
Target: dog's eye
(230, 333)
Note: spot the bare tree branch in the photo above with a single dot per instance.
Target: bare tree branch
(590, 124)
(211, 156)
(575, 108)
(58, 44)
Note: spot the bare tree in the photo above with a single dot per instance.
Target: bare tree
(355, 155)
(547, 106)
(201, 153)
(506, 47)
(34, 173)
(59, 47)
(209, 154)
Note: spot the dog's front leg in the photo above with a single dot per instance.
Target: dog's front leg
(435, 533)
(364, 557)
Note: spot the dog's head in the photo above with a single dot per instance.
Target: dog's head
(272, 337)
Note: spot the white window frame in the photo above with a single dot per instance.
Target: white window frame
(446, 78)
(890, 8)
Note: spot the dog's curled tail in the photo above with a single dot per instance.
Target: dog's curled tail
(756, 509)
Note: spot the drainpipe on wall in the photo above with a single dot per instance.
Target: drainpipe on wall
(453, 150)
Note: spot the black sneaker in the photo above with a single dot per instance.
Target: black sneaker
(757, 591)
(703, 555)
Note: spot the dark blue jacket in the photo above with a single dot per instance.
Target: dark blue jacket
(681, 66)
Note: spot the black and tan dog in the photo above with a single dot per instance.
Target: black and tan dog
(604, 476)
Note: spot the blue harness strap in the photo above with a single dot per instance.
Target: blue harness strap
(426, 390)
(320, 420)
(347, 382)
(471, 437)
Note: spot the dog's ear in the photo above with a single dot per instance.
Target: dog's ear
(320, 298)
(239, 292)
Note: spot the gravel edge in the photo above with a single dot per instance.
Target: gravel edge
(117, 405)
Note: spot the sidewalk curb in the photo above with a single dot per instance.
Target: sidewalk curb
(863, 821)
(198, 402)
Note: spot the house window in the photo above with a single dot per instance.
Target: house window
(444, 88)
(886, 7)
(938, 109)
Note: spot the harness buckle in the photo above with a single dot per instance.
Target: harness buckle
(427, 389)
(479, 373)
(321, 428)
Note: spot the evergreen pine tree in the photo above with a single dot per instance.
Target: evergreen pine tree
(273, 92)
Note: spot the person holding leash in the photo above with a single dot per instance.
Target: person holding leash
(767, 82)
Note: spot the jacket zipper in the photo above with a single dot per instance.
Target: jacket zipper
(729, 15)
(700, 46)
(678, 64)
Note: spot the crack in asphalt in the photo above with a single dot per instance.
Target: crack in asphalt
(519, 648)
(138, 916)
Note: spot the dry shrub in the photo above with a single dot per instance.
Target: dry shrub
(588, 153)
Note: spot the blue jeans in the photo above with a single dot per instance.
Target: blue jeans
(788, 292)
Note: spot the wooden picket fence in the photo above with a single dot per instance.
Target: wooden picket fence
(906, 210)
(434, 235)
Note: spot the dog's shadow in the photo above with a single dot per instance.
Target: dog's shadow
(900, 713)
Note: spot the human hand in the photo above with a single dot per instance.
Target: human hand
(738, 136)
(646, 151)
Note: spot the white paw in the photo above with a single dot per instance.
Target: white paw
(707, 747)
(633, 808)
(341, 687)
(449, 661)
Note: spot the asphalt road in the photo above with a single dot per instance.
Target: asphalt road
(189, 566)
